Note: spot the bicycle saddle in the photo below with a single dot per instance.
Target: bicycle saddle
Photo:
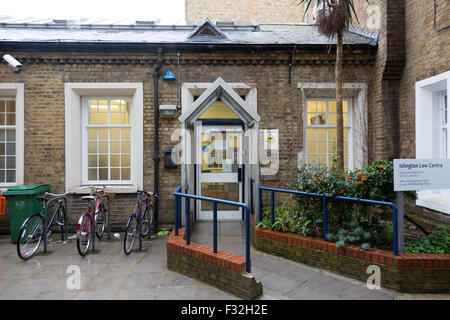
(88, 198)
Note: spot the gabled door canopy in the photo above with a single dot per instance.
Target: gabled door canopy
(220, 90)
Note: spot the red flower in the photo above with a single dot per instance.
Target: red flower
(381, 166)
(342, 191)
(359, 182)
(349, 178)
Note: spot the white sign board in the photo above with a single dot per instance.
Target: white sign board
(271, 139)
(421, 174)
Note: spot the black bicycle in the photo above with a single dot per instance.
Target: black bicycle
(92, 221)
(38, 227)
(140, 221)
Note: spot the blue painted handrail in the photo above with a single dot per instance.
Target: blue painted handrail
(325, 199)
(179, 195)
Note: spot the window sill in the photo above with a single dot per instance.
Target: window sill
(113, 188)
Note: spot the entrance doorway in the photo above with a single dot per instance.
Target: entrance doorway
(220, 169)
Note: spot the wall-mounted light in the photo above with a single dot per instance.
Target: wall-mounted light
(15, 65)
(167, 111)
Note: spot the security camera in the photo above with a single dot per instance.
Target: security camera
(16, 65)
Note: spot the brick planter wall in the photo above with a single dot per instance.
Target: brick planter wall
(404, 273)
(222, 270)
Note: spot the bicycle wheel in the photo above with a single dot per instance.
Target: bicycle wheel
(100, 222)
(30, 236)
(147, 221)
(130, 234)
(84, 234)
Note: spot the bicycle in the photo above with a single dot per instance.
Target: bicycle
(92, 219)
(140, 221)
(32, 232)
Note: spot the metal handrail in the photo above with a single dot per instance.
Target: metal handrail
(325, 199)
(178, 195)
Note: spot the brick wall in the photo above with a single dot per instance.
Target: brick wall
(279, 106)
(222, 270)
(261, 11)
(405, 273)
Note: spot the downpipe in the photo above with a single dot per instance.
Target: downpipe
(156, 158)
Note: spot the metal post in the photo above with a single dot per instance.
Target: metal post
(395, 221)
(93, 227)
(400, 221)
(140, 230)
(325, 218)
(272, 209)
(260, 203)
(66, 226)
(251, 197)
(188, 223)
(215, 226)
(176, 215)
(109, 217)
(45, 227)
(247, 241)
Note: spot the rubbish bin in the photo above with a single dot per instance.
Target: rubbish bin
(22, 203)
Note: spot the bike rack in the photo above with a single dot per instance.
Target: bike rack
(64, 197)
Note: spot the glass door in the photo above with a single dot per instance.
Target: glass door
(219, 163)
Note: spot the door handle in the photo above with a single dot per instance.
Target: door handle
(239, 174)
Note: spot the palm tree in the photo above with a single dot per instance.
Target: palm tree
(334, 18)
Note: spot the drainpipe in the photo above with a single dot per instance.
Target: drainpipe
(156, 158)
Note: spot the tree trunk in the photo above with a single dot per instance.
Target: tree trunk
(339, 115)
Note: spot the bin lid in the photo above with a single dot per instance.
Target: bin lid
(27, 189)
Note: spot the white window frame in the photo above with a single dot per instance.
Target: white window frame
(86, 125)
(74, 93)
(15, 91)
(329, 126)
(429, 95)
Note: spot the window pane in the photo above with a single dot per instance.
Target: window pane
(92, 112)
(115, 118)
(321, 107)
(344, 106)
(10, 119)
(332, 106)
(103, 161)
(92, 147)
(103, 147)
(11, 176)
(125, 134)
(2, 148)
(10, 162)
(11, 149)
(2, 105)
(103, 134)
(312, 147)
(92, 174)
(115, 161)
(126, 161)
(115, 173)
(11, 106)
(346, 134)
(2, 175)
(332, 147)
(332, 117)
(322, 147)
(115, 106)
(2, 119)
(92, 161)
(115, 147)
(318, 119)
(125, 118)
(125, 174)
(2, 135)
(332, 134)
(345, 119)
(115, 133)
(2, 163)
(92, 134)
(125, 147)
(11, 135)
(311, 106)
(322, 134)
(311, 159)
(103, 174)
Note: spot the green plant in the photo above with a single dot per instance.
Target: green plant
(437, 242)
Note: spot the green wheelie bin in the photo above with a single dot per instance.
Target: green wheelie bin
(22, 202)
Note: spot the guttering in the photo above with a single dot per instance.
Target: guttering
(156, 158)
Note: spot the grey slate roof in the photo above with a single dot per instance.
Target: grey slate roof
(89, 31)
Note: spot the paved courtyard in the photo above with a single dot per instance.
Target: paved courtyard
(110, 274)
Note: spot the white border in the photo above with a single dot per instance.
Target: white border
(16, 90)
(73, 120)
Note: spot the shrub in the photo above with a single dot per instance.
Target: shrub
(437, 242)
